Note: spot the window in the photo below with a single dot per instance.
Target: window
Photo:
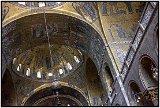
(28, 72)
(19, 67)
(69, 66)
(135, 94)
(14, 60)
(41, 4)
(148, 72)
(76, 59)
(60, 71)
(39, 74)
(23, 3)
(50, 74)
(79, 52)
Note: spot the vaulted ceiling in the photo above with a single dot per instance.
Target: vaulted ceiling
(89, 29)
(115, 22)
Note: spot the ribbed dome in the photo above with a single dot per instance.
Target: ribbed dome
(37, 64)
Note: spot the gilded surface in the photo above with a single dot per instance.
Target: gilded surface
(119, 21)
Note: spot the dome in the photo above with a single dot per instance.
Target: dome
(38, 64)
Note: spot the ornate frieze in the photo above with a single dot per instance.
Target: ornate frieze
(124, 71)
(130, 56)
(137, 39)
(147, 16)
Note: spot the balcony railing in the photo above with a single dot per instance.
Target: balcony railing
(146, 17)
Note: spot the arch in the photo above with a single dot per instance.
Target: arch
(148, 56)
(53, 85)
(56, 11)
(108, 77)
(49, 99)
(93, 46)
(9, 95)
(134, 93)
(138, 97)
(94, 84)
(49, 90)
(149, 76)
(82, 35)
(148, 72)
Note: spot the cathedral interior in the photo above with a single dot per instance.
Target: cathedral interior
(79, 53)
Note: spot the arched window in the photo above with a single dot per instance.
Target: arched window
(138, 97)
(109, 78)
(135, 94)
(149, 77)
(148, 72)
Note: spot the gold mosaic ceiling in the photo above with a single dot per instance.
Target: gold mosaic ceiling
(38, 64)
(65, 28)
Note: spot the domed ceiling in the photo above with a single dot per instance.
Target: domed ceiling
(38, 64)
(114, 22)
